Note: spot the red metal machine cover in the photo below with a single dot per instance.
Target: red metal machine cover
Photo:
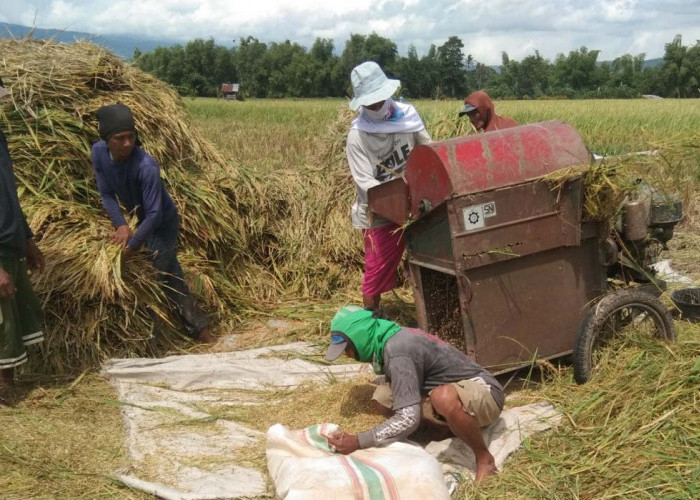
(472, 164)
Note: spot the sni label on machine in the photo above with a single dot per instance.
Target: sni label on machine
(474, 216)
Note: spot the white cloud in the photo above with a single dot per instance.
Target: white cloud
(388, 27)
(618, 10)
(487, 27)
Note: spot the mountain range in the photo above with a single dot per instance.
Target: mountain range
(122, 45)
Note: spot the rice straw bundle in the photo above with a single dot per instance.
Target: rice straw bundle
(248, 236)
(94, 305)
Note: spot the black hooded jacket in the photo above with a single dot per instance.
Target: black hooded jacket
(14, 230)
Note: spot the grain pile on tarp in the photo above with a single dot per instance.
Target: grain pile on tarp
(94, 306)
(196, 424)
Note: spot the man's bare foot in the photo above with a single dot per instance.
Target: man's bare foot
(485, 469)
(206, 337)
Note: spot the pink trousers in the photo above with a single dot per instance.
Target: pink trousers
(384, 248)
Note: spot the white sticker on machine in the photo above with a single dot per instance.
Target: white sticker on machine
(489, 209)
(475, 215)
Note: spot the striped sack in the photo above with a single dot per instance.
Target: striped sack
(303, 467)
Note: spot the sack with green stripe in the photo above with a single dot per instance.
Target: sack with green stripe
(302, 466)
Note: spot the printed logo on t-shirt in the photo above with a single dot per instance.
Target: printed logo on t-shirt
(394, 164)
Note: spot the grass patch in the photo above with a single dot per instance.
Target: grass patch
(632, 431)
(60, 440)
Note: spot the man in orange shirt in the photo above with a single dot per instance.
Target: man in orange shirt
(479, 108)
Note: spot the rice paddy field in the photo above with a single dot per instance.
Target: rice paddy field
(268, 235)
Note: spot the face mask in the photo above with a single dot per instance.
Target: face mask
(380, 114)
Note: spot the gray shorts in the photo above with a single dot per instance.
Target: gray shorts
(475, 397)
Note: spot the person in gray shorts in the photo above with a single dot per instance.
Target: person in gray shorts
(426, 377)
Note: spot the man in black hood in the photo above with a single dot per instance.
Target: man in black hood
(126, 173)
(20, 309)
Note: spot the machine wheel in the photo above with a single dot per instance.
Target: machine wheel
(611, 317)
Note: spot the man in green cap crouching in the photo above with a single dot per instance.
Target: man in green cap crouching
(426, 377)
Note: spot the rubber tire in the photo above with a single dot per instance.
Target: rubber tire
(597, 316)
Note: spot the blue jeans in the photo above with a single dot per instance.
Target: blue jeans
(163, 245)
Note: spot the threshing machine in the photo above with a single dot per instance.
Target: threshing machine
(500, 261)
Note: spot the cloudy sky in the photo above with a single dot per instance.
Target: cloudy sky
(487, 27)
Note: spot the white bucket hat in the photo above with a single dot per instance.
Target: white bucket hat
(370, 85)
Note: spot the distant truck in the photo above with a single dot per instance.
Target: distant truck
(231, 91)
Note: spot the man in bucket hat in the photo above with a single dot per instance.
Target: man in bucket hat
(20, 309)
(426, 378)
(378, 144)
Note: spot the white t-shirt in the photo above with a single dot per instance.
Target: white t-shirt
(374, 159)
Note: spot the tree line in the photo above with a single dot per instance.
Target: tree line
(288, 69)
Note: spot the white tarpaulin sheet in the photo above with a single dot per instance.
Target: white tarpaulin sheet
(665, 272)
(175, 461)
(189, 462)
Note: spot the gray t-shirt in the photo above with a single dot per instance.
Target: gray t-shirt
(416, 363)
(374, 159)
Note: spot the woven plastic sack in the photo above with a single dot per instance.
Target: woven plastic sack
(303, 467)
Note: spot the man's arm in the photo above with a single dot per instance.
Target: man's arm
(405, 390)
(111, 206)
(152, 193)
(109, 199)
(35, 259)
(402, 424)
(422, 137)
